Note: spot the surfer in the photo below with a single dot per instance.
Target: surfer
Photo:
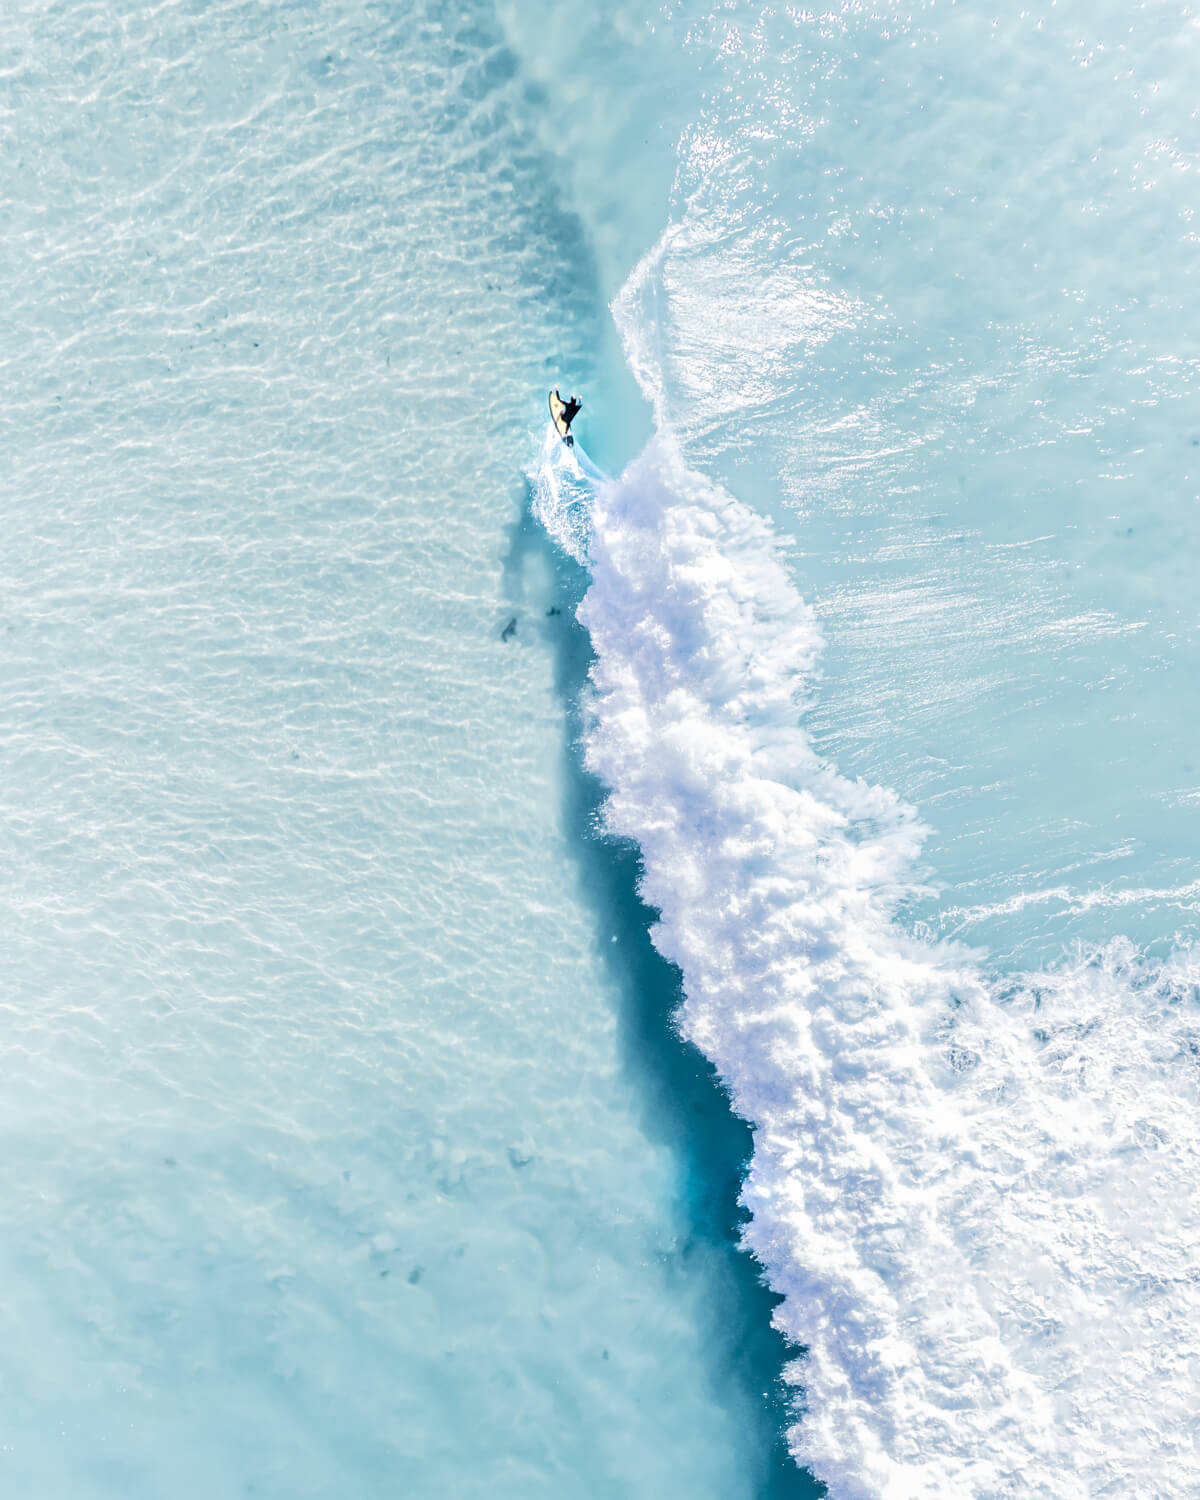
(563, 414)
(572, 406)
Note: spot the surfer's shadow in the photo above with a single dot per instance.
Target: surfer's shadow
(544, 587)
(526, 541)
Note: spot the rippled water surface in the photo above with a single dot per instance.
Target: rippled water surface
(328, 1168)
(928, 302)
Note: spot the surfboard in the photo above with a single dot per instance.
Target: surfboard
(557, 407)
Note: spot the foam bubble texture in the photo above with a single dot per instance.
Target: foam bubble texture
(976, 1199)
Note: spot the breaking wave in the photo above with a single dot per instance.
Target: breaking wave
(975, 1193)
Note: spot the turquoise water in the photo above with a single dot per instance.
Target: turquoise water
(973, 253)
(338, 1156)
(351, 1144)
(896, 650)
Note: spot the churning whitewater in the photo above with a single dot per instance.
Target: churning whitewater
(976, 1194)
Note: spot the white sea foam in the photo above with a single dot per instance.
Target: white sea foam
(563, 482)
(976, 1196)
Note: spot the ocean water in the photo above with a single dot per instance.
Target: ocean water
(343, 1152)
(363, 1127)
(895, 641)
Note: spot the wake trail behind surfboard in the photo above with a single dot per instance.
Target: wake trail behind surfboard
(564, 481)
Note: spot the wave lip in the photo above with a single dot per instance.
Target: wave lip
(951, 1178)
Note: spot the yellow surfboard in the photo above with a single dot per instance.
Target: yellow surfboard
(557, 407)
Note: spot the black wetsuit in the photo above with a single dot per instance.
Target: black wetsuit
(570, 411)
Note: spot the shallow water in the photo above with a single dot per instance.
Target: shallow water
(342, 1156)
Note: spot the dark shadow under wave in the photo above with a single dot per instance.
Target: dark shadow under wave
(684, 1105)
